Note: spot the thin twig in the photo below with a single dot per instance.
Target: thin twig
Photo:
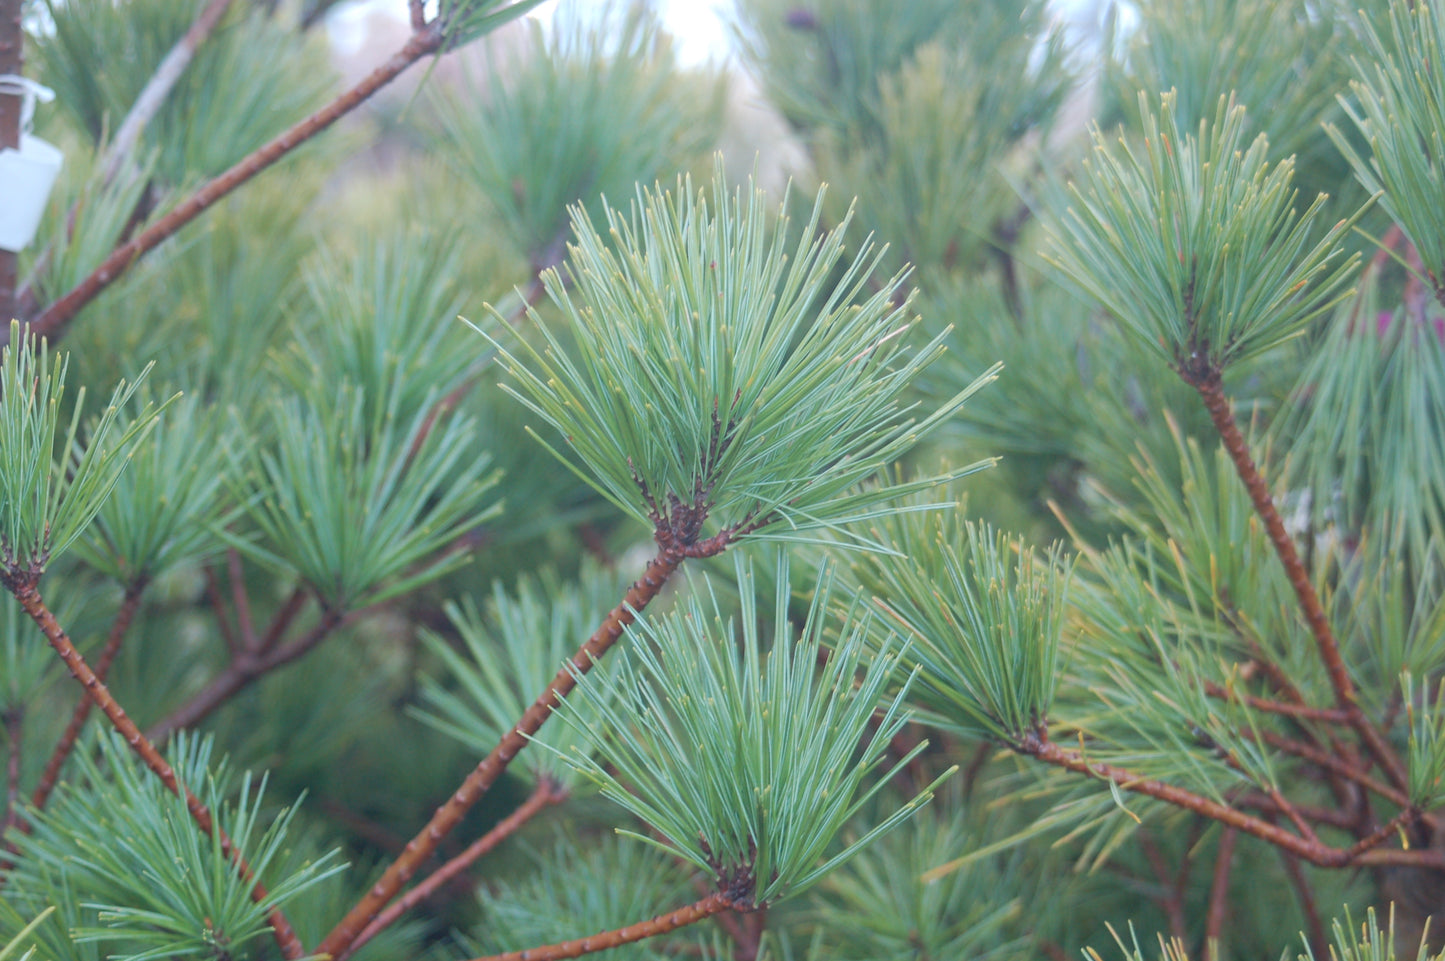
(28, 595)
(153, 95)
(1314, 924)
(1315, 852)
(53, 320)
(1171, 896)
(244, 669)
(1328, 715)
(662, 924)
(479, 781)
(123, 617)
(546, 793)
(1211, 390)
(1219, 893)
(240, 599)
(218, 607)
(283, 618)
(1262, 802)
(1329, 762)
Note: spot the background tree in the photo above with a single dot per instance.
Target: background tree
(371, 551)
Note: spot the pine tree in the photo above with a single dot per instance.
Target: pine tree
(665, 607)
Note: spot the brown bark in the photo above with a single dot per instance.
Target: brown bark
(545, 794)
(1314, 851)
(1219, 894)
(245, 667)
(693, 913)
(339, 942)
(29, 598)
(1211, 389)
(53, 320)
(123, 617)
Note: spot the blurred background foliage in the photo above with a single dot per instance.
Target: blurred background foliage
(327, 292)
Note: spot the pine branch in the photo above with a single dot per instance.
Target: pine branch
(545, 794)
(27, 594)
(1335, 765)
(1218, 911)
(1304, 711)
(1210, 386)
(339, 942)
(1171, 896)
(123, 617)
(248, 665)
(218, 608)
(1314, 924)
(1315, 852)
(54, 319)
(662, 924)
(240, 600)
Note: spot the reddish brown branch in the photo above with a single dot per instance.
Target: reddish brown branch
(282, 619)
(240, 600)
(1171, 896)
(1219, 892)
(1329, 762)
(123, 617)
(53, 320)
(1211, 390)
(546, 793)
(245, 667)
(1328, 715)
(662, 924)
(218, 607)
(1315, 852)
(1328, 816)
(1314, 924)
(479, 781)
(26, 593)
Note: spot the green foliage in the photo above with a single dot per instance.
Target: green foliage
(823, 61)
(907, 173)
(362, 509)
(884, 906)
(716, 380)
(1372, 943)
(1367, 432)
(1195, 245)
(984, 614)
(1426, 723)
(513, 650)
(150, 884)
(45, 505)
(268, 75)
(1401, 113)
(463, 21)
(383, 320)
(573, 116)
(1283, 62)
(718, 373)
(791, 747)
(10, 949)
(167, 506)
(575, 892)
